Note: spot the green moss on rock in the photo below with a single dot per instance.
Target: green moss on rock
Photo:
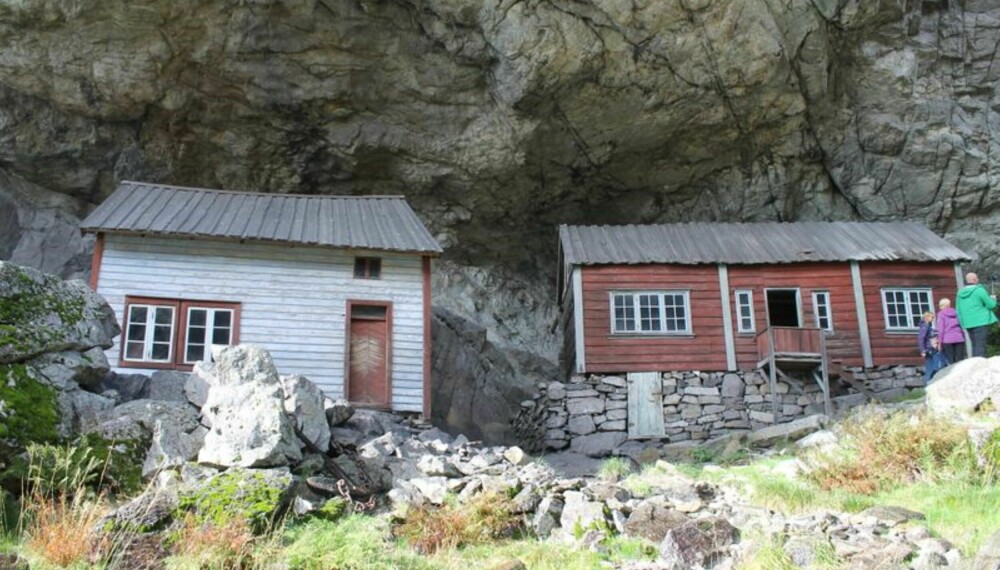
(34, 311)
(28, 411)
(253, 496)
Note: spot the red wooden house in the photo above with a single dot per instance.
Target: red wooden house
(728, 297)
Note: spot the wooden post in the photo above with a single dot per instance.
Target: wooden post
(727, 317)
(824, 374)
(581, 352)
(859, 305)
(773, 378)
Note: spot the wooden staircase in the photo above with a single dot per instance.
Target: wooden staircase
(781, 350)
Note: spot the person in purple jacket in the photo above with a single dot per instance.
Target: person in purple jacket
(949, 332)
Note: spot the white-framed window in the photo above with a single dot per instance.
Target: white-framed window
(206, 326)
(822, 311)
(175, 333)
(650, 312)
(744, 311)
(904, 307)
(149, 333)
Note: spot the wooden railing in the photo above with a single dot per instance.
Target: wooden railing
(790, 341)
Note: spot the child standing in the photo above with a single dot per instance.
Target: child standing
(930, 347)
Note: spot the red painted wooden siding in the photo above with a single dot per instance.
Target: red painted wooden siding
(705, 350)
(901, 347)
(843, 344)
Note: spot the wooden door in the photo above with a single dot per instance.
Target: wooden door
(645, 405)
(368, 357)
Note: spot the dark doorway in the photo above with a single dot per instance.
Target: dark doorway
(783, 307)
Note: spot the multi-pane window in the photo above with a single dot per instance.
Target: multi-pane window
(149, 333)
(205, 327)
(744, 311)
(821, 310)
(171, 333)
(650, 312)
(368, 267)
(904, 308)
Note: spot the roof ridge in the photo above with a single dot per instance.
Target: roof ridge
(275, 194)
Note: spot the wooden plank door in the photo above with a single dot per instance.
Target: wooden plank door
(368, 358)
(645, 405)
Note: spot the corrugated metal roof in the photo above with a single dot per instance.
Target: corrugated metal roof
(754, 243)
(362, 222)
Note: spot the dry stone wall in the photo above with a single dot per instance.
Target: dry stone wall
(589, 414)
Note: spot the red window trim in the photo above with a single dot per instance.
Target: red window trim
(180, 332)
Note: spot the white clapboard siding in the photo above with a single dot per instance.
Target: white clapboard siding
(645, 405)
(294, 300)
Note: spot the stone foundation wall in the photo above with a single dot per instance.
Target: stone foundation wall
(589, 414)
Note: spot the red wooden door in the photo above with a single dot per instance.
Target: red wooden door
(369, 382)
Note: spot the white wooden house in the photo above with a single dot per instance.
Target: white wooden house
(336, 288)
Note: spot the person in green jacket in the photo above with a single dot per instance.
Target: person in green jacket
(975, 312)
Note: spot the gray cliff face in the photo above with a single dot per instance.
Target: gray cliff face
(500, 119)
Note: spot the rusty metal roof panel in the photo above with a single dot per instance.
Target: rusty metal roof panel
(754, 243)
(359, 222)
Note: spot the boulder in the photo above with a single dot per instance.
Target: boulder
(257, 496)
(81, 411)
(249, 426)
(790, 431)
(129, 387)
(149, 511)
(988, 556)
(964, 386)
(697, 543)
(304, 401)
(516, 456)
(580, 513)
(547, 515)
(42, 313)
(198, 382)
(653, 518)
(337, 411)
(166, 386)
(171, 448)
(61, 369)
(598, 444)
(434, 489)
(138, 419)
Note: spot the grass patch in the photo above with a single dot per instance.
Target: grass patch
(768, 555)
(882, 450)
(356, 542)
(962, 513)
(615, 469)
(487, 517)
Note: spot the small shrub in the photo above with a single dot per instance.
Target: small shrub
(702, 455)
(882, 450)
(615, 469)
(486, 518)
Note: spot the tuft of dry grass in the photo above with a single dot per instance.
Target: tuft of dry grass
(487, 517)
(59, 529)
(225, 547)
(883, 450)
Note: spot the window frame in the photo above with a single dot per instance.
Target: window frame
(149, 304)
(829, 310)
(637, 316)
(214, 306)
(366, 262)
(739, 312)
(907, 291)
(179, 334)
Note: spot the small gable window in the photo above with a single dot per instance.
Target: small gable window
(368, 267)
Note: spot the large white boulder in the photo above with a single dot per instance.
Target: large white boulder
(305, 402)
(963, 386)
(245, 408)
